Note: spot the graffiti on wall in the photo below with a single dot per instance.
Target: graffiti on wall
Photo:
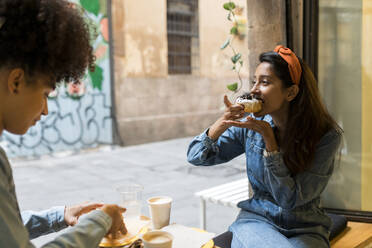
(80, 115)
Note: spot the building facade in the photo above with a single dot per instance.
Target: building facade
(170, 73)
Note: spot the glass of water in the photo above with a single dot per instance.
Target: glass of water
(130, 198)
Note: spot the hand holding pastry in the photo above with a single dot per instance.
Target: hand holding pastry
(232, 111)
(259, 126)
(117, 226)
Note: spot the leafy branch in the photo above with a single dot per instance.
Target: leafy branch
(236, 58)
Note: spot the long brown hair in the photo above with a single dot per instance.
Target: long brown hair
(308, 118)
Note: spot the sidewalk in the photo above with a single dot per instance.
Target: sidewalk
(160, 167)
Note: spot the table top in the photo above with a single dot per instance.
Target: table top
(188, 237)
(184, 237)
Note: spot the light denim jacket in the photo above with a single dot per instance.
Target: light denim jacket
(44, 222)
(284, 200)
(16, 230)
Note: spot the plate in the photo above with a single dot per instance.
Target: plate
(135, 226)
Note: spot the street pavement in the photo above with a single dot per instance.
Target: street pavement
(91, 175)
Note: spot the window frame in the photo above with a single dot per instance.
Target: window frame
(311, 56)
(191, 53)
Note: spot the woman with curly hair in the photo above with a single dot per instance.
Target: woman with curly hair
(42, 43)
(290, 146)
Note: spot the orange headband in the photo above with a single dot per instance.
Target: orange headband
(294, 65)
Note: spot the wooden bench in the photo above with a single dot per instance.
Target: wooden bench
(229, 194)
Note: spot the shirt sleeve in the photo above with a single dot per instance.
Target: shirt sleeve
(292, 191)
(86, 234)
(204, 151)
(12, 231)
(44, 222)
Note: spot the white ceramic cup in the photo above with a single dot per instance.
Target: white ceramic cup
(157, 239)
(160, 207)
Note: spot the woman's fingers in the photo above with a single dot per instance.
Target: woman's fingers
(238, 116)
(226, 101)
(122, 210)
(230, 105)
(238, 124)
(259, 126)
(72, 213)
(115, 212)
(87, 207)
(233, 111)
(233, 116)
(114, 235)
(250, 124)
(123, 229)
(237, 108)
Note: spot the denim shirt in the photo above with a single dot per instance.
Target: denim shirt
(16, 229)
(44, 222)
(284, 200)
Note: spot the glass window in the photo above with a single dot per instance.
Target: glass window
(183, 36)
(345, 82)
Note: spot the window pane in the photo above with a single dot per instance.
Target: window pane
(183, 45)
(341, 81)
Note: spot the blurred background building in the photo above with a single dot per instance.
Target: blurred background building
(170, 74)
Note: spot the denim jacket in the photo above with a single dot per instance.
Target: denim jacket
(284, 200)
(44, 222)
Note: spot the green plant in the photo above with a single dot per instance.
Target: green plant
(236, 58)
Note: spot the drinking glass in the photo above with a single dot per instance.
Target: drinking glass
(130, 198)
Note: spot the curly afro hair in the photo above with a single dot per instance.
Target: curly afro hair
(45, 36)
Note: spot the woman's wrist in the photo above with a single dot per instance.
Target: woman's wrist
(217, 129)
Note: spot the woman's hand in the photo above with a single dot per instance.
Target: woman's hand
(261, 127)
(72, 213)
(117, 226)
(232, 112)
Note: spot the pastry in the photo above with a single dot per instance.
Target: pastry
(250, 103)
(109, 238)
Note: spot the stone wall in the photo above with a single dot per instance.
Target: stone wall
(266, 28)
